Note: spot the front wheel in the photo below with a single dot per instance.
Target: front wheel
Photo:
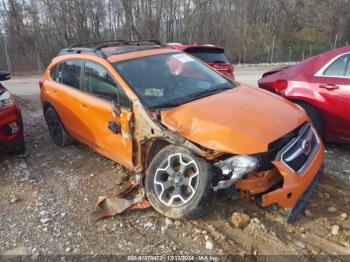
(178, 183)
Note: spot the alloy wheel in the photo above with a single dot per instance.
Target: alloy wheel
(176, 180)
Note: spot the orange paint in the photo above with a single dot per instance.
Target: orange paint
(86, 117)
(243, 120)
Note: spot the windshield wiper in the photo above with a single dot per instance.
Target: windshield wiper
(192, 97)
(209, 92)
(166, 105)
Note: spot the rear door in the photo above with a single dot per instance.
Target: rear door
(333, 84)
(66, 96)
(100, 90)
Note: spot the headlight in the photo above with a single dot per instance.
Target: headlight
(5, 100)
(237, 166)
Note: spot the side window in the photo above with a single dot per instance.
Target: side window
(338, 67)
(54, 72)
(347, 73)
(69, 73)
(100, 83)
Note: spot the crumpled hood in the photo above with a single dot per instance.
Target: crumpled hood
(243, 120)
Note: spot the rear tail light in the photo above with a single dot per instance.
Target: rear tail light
(231, 67)
(280, 84)
(223, 67)
(41, 84)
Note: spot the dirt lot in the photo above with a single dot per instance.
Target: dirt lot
(46, 195)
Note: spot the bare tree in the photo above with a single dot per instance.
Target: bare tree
(255, 30)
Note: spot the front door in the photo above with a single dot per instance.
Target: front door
(111, 135)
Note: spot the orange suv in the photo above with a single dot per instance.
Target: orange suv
(190, 131)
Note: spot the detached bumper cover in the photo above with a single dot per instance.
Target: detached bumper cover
(304, 198)
(295, 185)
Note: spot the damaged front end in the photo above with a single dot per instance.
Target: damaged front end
(295, 165)
(284, 175)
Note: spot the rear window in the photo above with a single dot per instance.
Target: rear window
(208, 55)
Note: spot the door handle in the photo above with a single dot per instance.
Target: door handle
(84, 108)
(55, 93)
(329, 87)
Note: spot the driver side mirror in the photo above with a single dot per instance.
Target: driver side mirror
(116, 108)
(4, 75)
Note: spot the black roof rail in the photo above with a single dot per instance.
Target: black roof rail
(84, 47)
(75, 50)
(128, 42)
(94, 43)
(153, 41)
(110, 44)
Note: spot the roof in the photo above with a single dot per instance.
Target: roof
(313, 64)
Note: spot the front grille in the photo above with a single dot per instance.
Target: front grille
(266, 158)
(299, 152)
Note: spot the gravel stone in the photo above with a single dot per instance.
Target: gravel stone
(209, 245)
(240, 220)
(335, 230)
(331, 209)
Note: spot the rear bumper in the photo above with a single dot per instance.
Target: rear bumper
(294, 185)
(11, 142)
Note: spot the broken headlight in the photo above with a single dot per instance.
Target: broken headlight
(5, 100)
(236, 167)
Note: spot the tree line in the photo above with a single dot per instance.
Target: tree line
(251, 31)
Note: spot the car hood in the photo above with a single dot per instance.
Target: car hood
(243, 120)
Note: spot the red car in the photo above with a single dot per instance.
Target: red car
(320, 85)
(11, 124)
(210, 54)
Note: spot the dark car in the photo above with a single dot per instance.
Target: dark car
(213, 55)
(321, 85)
(11, 124)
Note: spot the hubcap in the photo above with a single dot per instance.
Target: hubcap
(176, 180)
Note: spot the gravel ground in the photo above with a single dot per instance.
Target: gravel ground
(46, 195)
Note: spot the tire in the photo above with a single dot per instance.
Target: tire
(21, 150)
(315, 118)
(57, 131)
(192, 179)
